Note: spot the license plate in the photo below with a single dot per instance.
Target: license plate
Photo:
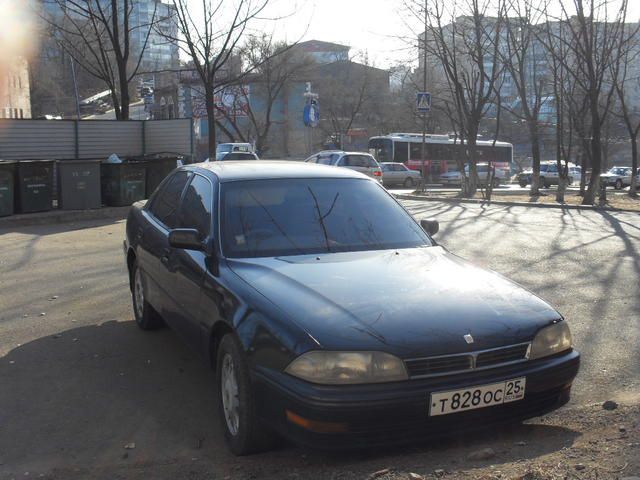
(443, 403)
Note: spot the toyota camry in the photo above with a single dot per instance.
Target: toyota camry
(330, 315)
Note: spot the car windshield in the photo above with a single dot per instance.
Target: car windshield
(268, 218)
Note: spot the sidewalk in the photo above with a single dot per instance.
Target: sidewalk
(62, 216)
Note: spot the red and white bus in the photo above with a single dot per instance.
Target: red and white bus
(441, 152)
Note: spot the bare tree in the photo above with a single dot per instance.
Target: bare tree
(593, 52)
(626, 85)
(465, 47)
(209, 32)
(519, 56)
(97, 34)
(273, 65)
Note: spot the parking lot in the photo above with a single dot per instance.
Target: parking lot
(91, 395)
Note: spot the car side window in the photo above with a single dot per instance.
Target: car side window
(368, 161)
(167, 200)
(196, 206)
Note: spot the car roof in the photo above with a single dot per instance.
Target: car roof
(272, 169)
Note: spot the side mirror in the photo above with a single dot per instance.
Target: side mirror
(187, 238)
(430, 226)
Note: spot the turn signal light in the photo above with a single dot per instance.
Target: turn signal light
(315, 426)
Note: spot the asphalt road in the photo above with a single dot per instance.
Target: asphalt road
(79, 381)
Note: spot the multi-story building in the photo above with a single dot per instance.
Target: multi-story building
(15, 100)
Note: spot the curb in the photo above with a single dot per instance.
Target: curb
(592, 208)
(62, 216)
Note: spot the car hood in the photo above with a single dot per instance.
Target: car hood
(410, 302)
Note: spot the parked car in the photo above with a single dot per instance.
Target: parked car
(618, 177)
(398, 174)
(548, 174)
(358, 161)
(224, 148)
(454, 177)
(225, 157)
(330, 315)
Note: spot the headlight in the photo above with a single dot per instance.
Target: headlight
(338, 368)
(550, 340)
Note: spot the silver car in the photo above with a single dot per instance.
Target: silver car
(358, 161)
(618, 177)
(398, 174)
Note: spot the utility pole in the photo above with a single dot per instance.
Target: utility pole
(75, 87)
(424, 89)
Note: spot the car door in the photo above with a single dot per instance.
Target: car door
(154, 252)
(190, 265)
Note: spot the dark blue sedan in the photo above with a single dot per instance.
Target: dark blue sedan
(330, 315)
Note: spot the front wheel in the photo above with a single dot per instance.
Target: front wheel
(146, 317)
(522, 184)
(618, 184)
(237, 404)
(496, 182)
(408, 183)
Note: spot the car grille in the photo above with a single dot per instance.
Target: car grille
(464, 362)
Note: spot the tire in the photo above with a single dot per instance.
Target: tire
(569, 181)
(619, 185)
(543, 183)
(496, 182)
(146, 317)
(408, 183)
(237, 411)
(523, 184)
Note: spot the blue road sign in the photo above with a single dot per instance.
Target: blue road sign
(423, 102)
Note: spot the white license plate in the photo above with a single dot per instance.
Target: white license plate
(443, 403)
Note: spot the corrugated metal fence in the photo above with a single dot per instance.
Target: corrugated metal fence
(72, 139)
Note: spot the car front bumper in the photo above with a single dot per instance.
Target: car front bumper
(358, 416)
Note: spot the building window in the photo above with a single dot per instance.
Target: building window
(21, 113)
(15, 113)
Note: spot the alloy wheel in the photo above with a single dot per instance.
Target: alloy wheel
(230, 398)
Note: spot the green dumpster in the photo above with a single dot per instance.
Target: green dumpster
(123, 183)
(79, 184)
(158, 167)
(7, 178)
(35, 185)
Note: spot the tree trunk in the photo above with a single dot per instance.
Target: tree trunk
(596, 163)
(634, 164)
(535, 156)
(124, 100)
(211, 121)
(116, 105)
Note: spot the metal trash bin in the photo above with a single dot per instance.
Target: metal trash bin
(7, 181)
(35, 185)
(79, 184)
(158, 167)
(122, 183)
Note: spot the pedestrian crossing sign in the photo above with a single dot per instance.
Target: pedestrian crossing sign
(423, 101)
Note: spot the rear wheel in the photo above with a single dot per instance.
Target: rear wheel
(408, 183)
(496, 182)
(618, 184)
(522, 184)
(146, 317)
(237, 404)
(543, 183)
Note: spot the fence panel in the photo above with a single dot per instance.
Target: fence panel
(101, 138)
(37, 139)
(168, 136)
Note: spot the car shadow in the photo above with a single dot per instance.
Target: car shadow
(93, 400)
